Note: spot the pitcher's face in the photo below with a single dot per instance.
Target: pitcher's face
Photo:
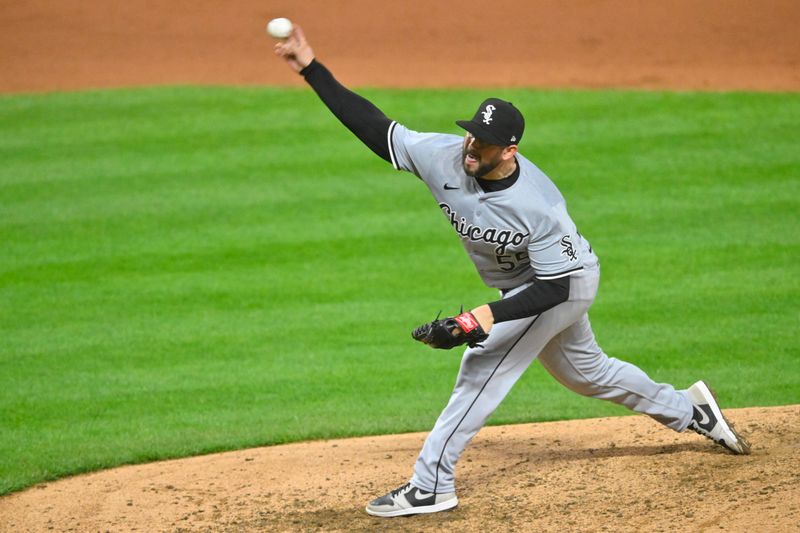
(480, 157)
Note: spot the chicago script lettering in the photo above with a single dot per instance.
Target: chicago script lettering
(502, 238)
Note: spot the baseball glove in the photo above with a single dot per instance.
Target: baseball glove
(450, 332)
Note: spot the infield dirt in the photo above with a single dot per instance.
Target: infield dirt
(610, 474)
(681, 44)
(620, 474)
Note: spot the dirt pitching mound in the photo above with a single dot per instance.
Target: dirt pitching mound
(608, 474)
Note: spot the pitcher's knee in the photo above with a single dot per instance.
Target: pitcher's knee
(598, 382)
(585, 387)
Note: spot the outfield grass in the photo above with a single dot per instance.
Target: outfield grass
(186, 270)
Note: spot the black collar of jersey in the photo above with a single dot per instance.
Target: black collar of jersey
(499, 185)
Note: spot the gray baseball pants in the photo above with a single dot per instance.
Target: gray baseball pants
(563, 340)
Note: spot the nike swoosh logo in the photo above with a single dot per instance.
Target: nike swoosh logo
(449, 188)
(420, 498)
(707, 422)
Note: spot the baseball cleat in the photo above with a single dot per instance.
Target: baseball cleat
(707, 420)
(408, 500)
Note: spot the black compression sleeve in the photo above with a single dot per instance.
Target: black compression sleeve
(360, 116)
(533, 300)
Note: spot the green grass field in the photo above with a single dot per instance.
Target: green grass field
(185, 270)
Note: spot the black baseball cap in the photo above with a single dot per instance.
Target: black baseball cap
(496, 121)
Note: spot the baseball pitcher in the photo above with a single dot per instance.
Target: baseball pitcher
(514, 225)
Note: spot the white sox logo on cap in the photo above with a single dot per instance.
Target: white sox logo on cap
(487, 115)
(496, 122)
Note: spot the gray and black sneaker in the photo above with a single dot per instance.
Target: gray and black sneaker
(708, 420)
(408, 499)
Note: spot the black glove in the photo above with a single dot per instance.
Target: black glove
(450, 332)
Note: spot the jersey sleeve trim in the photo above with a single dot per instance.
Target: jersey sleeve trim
(559, 275)
(389, 134)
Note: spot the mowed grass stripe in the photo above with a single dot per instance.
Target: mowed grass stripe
(186, 270)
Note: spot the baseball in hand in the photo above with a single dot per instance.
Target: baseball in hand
(280, 28)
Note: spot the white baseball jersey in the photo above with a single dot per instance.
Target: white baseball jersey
(512, 235)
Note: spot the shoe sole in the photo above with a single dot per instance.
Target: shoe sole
(707, 391)
(443, 506)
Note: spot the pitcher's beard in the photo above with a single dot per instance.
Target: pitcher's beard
(482, 168)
